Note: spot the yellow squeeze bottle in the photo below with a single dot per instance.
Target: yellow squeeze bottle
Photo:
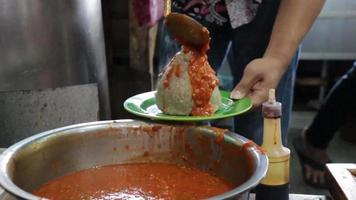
(275, 185)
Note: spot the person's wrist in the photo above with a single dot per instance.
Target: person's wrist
(278, 64)
(282, 53)
(282, 60)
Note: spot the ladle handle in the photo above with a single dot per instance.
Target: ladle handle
(167, 7)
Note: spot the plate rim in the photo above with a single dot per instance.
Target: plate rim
(178, 117)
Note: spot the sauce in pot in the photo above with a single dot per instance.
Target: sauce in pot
(135, 181)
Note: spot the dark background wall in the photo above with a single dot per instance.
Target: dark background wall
(125, 80)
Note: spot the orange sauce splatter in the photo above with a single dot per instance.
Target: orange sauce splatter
(250, 143)
(219, 134)
(177, 70)
(156, 128)
(172, 69)
(217, 163)
(184, 158)
(203, 81)
(168, 76)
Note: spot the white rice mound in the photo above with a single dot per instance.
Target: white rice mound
(176, 99)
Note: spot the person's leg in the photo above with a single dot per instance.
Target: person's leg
(333, 112)
(311, 146)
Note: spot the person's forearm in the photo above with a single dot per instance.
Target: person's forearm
(293, 21)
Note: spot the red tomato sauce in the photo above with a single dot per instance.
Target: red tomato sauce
(203, 81)
(168, 77)
(170, 69)
(219, 134)
(138, 181)
(250, 143)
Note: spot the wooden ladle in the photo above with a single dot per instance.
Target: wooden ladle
(187, 31)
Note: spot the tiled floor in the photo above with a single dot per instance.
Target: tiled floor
(339, 150)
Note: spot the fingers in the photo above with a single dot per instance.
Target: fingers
(258, 93)
(243, 88)
(258, 97)
(252, 87)
(259, 76)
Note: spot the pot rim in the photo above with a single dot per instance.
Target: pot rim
(260, 158)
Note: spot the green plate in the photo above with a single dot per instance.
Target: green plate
(144, 105)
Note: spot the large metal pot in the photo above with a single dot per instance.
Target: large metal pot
(42, 157)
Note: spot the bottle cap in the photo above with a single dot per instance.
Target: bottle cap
(271, 108)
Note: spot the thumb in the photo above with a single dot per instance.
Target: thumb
(243, 87)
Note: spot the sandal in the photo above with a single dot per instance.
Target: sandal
(305, 160)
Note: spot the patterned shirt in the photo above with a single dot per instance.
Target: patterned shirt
(223, 13)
